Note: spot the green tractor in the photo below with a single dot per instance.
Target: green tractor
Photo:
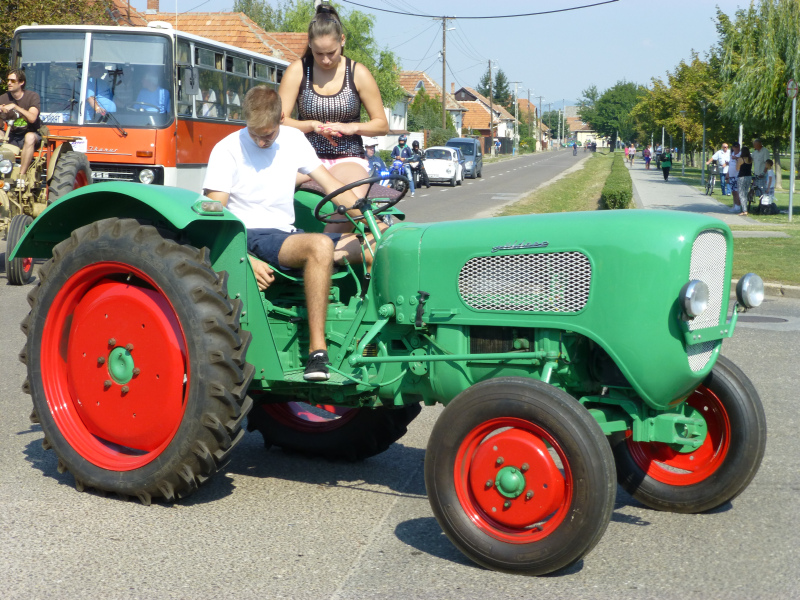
(572, 352)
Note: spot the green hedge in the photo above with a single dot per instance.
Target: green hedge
(618, 190)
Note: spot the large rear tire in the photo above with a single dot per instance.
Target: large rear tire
(72, 172)
(328, 431)
(20, 270)
(520, 476)
(665, 478)
(136, 361)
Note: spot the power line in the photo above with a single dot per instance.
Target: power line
(533, 14)
(425, 54)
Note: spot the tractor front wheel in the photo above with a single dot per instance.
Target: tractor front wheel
(136, 361)
(520, 476)
(20, 270)
(328, 431)
(72, 172)
(690, 481)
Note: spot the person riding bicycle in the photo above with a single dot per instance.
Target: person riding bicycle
(402, 153)
(419, 157)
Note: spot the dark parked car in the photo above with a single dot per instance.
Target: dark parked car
(473, 157)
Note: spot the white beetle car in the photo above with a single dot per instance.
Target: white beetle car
(444, 164)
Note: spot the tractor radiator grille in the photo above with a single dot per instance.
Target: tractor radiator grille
(709, 253)
(554, 282)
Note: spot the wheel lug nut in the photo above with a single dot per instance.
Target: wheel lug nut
(525, 467)
(529, 495)
(129, 347)
(107, 383)
(112, 342)
(136, 371)
(500, 460)
(507, 504)
(489, 483)
(100, 360)
(125, 389)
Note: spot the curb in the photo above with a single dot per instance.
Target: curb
(774, 289)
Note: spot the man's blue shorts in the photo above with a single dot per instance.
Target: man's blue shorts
(266, 243)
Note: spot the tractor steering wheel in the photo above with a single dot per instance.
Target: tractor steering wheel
(363, 204)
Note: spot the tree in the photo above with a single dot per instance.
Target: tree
(759, 54)
(612, 115)
(586, 105)
(425, 112)
(295, 15)
(15, 13)
(500, 92)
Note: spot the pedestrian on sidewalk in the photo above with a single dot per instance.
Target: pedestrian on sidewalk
(627, 149)
(632, 154)
(647, 155)
(723, 157)
(733, 178)
(666, 163)
(744, 165)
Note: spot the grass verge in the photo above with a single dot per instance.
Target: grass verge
(775, 259)
(577, 191)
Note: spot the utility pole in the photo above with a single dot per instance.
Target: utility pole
(541, 141)
(491, 110)
(516, 116)
(550, 113)
(444, 69)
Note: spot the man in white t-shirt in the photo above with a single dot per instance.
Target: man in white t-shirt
(759, 154)
(252, 172)
(723, 157)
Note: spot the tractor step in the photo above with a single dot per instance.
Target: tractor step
(297, 377)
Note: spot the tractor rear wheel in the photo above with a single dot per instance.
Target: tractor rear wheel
(136, 361)
(328, 431)
(20, 270)
(72, 172)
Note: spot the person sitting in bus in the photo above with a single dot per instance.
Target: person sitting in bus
(252, 172)
(154, 97)
(234, 104)
(208, 108)
(99, 96)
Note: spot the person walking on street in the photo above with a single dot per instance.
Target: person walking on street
(647, 156)
(723, 157)
(666, 163)
(632, 154)
(744, 164)
(627, 149)
(733, 178)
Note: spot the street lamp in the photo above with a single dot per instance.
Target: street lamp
(703, 176)
(683, 144)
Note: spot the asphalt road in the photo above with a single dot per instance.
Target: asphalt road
(277, 525)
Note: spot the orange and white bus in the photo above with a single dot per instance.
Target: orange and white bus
(168, 96)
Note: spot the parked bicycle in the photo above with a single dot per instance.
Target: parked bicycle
(712, 178)
(757, 189)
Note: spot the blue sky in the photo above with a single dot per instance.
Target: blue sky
(555, 56)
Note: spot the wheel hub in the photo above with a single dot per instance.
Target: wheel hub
(120, 365)
(515, 480)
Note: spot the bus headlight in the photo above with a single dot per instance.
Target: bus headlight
(694, 298)
(5, 166)
(750, 290)
(147, 176)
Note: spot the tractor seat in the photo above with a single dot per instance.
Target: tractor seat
(10, 148)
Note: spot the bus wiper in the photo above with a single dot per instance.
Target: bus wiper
(116, 124)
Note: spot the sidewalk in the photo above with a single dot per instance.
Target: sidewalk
(652, 192)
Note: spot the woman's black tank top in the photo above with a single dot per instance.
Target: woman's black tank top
(746, 170)
(343, 107)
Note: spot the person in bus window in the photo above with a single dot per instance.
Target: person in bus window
(99, 97)
(208, 108)
(329, 90)
(234, 104)
(153, 95)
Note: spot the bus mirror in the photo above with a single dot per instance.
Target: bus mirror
(190, 83)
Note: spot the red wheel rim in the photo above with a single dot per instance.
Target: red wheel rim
(308, 418)
(27, 265)
(80, 180)
(665, 464)
(519, 447)
(114, 366)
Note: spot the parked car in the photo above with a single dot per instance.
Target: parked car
(444, 164)
(473, 156)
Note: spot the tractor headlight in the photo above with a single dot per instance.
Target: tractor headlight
(6, 186)
(5, 166)
(147, 176)
(750, 290)
(694, 298)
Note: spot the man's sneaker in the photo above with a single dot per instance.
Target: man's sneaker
(412, 194)
(387, 219)
(317, 366)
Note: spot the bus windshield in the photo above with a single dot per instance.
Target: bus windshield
(99, 78)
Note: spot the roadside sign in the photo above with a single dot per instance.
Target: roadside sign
(791, 89)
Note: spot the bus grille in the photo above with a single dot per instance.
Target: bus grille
(101, 172)
(554, 282)
(709, 253)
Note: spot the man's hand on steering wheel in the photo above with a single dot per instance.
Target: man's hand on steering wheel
(361, 204)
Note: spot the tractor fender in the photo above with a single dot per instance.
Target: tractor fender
(51, 166)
